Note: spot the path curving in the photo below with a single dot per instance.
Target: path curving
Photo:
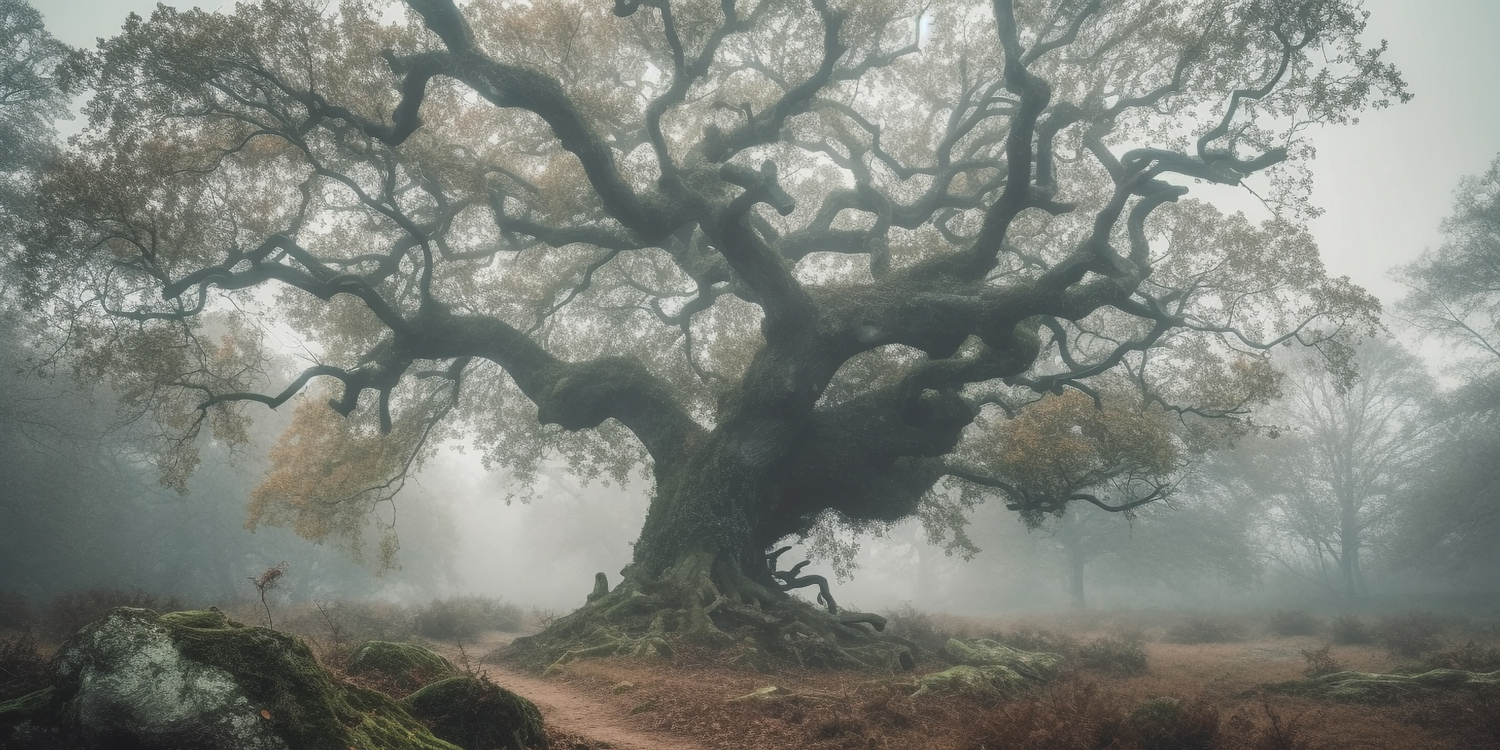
(572, 710)
(566, 707)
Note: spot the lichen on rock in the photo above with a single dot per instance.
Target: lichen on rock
(992, 682)
(982, 652)
(203, 681)
(1367, 687)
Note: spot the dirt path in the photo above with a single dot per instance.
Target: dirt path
(566, 707)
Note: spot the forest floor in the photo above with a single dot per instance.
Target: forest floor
(1221, 667)
(686, 703)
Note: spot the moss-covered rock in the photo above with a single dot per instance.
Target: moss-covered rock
(982, 652)
(407, 666)
(1366, 687)
(992, 682)
(477, 714)
(200, 680)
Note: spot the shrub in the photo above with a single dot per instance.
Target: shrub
(465, 617)
(1121, 656)
(351, 622)
(1349, 630)
(1320, 661)
(69, 612)
(15, 611)
(916, 626)
(1411, 634)
(1470, 657)
(1294, 622)
(1172, 724)
(1206, 629)
(23, 669)
(1278, 733)
(1070, 715)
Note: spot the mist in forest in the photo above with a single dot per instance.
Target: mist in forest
(1360, 475)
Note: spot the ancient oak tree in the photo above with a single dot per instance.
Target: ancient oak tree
(782, 253)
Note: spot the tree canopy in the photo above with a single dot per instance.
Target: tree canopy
(784, 254)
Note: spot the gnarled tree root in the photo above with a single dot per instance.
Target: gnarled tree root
(704, 603)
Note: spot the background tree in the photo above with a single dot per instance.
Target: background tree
(1349, 453)
(1453, 517)
(1064, 449)
(782, 254)
(1063, 454)
(30, 100)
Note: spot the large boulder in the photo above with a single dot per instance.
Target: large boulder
(199, 680)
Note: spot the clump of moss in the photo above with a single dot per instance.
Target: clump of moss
(405, 666)
(476, 714)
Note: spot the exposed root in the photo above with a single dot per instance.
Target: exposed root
(789, 579)
(708, 603)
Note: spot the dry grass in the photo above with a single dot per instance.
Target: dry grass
(23, 667)
(1410, 634)
(1200, 695)
(1201, 691)
(69, 612)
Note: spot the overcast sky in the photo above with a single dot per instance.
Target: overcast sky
(1386, 183)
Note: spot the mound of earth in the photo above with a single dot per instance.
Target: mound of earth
(201, 681)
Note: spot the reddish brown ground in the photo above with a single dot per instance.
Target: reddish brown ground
(684, 704)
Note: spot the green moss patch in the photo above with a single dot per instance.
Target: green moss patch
(477, 714)
(406, 666)
(987, 683)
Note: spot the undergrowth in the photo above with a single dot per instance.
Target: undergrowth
(1411, 634)
(465, 617)
(1294, 622)
(1080, 715)
(1206, 629)
(71, 611)
(1349, 630)
(23, 669)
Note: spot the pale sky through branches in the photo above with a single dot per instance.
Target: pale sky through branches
(1386, 183)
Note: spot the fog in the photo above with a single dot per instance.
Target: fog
(459, 534)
